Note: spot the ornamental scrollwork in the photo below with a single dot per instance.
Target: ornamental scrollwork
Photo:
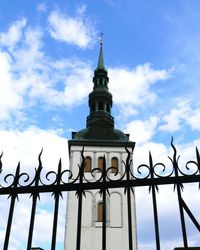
(128, 172)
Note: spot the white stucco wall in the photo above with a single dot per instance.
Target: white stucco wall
(117, 218)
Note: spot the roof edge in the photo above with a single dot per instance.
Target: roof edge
(101, 143)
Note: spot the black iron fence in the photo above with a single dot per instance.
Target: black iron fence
(151, 175)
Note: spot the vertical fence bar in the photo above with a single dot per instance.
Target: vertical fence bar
(129, 209)
(12, 205)
(179, 186)
(78, 239)
(55, 222)
(104, 222)
(80, 202)
(57, 193)
(183, 226)
(10, 217)
(156, 218)
(34, 202)
(155, 211)
(104, 207)
(129, 218)
(31, 226)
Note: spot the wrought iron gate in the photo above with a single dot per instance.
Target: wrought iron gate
(23, 183)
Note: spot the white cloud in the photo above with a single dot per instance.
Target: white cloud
(181, 115)
(173, 120)
(132, 86)
(74, 82)
(9, 97)
(142, 131)
(77, 85)
(16, 77)
(22, 87)
(193, 119)
(39, 82)
(14, 33)
(26, 146)
(73, 30)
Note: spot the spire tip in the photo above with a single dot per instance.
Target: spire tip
(101, 38)
(101, 59)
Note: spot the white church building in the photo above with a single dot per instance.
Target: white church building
(99, 139)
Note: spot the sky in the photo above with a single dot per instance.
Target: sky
(48, 52)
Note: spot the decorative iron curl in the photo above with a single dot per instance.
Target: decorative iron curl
(175, 162)
(188, 170)
(1, 165)
(142, 174)
(150, 170)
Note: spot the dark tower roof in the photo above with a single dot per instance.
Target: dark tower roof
(100, 123)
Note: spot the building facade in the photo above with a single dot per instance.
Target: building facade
(100, 139)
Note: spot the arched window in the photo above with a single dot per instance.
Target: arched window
(100, 212)
(88, 164)
(100, 162)
(114, 164)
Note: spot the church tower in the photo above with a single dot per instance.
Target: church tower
(99, 139)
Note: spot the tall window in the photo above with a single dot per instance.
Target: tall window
(100, 163)
(100, 212)
(88, 164)
(114, 164)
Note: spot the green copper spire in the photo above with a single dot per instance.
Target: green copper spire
(100, 129)
(101, 59)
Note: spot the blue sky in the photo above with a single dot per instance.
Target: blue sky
(48, 51)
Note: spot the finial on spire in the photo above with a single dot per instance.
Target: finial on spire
(101, 59)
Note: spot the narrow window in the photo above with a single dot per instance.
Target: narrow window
(100, 106)
(93, 107)
(95, 82)
(88, 164)
(100, 212)
(100, 163)
(108, 108)
(114, 164)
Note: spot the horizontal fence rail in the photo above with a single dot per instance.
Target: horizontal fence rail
(151, 175)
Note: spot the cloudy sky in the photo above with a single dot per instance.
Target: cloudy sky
(48, 52)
